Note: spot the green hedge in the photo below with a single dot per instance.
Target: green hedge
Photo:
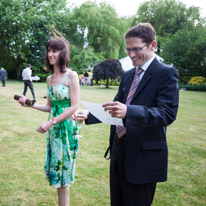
(200, 87)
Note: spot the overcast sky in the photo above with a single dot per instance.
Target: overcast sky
(129, 7)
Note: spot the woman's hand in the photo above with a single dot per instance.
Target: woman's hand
(80, 115)
(45, 126)
(22, 101)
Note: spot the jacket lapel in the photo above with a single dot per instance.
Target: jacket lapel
(147, 76)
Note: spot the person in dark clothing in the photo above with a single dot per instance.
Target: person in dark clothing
(3, 76)
(86, 77)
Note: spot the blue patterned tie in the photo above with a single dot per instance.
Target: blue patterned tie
(121, 130)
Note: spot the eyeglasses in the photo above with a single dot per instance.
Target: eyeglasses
(137, 49)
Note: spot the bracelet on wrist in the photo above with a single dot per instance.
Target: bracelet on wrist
(54, 121)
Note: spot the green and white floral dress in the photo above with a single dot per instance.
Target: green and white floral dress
(62, 144)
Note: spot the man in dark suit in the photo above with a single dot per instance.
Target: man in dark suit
(3, 76)
(147, 102)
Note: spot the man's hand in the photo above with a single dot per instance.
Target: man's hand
(116, 109)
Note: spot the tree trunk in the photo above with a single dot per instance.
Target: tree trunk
(18, 72)
(107, 84)
(18, 63)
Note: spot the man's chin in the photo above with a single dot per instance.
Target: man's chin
(135, 64)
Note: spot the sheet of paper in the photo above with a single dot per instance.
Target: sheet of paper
(98, 111)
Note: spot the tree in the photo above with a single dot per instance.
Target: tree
(26, 26)
(102, 29)
(25, 29)
(180, 34)
(186, 51)
(83, 59)
(167, 17)
(109, 68)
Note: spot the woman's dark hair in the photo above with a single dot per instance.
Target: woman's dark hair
(61, 45)
(144, 31)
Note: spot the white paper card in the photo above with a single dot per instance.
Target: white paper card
(98, 111)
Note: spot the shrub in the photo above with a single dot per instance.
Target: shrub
(111, 82)
(197, 80)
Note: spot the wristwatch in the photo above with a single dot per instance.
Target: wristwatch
(54, 121)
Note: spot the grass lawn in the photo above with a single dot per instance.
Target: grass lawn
(22, 153)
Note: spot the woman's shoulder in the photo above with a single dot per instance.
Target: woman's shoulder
(49, 78)
(71, 73)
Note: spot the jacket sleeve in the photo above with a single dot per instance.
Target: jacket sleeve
(92, 119)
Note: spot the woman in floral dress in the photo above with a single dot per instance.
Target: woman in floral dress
(62, 102)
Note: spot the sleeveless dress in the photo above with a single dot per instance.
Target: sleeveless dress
(62, 143)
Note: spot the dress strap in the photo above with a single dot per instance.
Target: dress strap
(50, 82)
(66, 77)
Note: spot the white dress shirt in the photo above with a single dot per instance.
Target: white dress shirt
(26, 74)
(146, 65)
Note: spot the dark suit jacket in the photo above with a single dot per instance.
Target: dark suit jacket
(153, 107)
(3, 75)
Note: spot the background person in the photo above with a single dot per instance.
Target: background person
(147, 102)
(86, 77)
(3, 76)
(82, 80)
(62, 102)
(26, 74)
(91, 79)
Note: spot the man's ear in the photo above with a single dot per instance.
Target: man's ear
(154, 43)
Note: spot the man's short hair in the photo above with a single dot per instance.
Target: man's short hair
(29, 65)
(144, 31)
